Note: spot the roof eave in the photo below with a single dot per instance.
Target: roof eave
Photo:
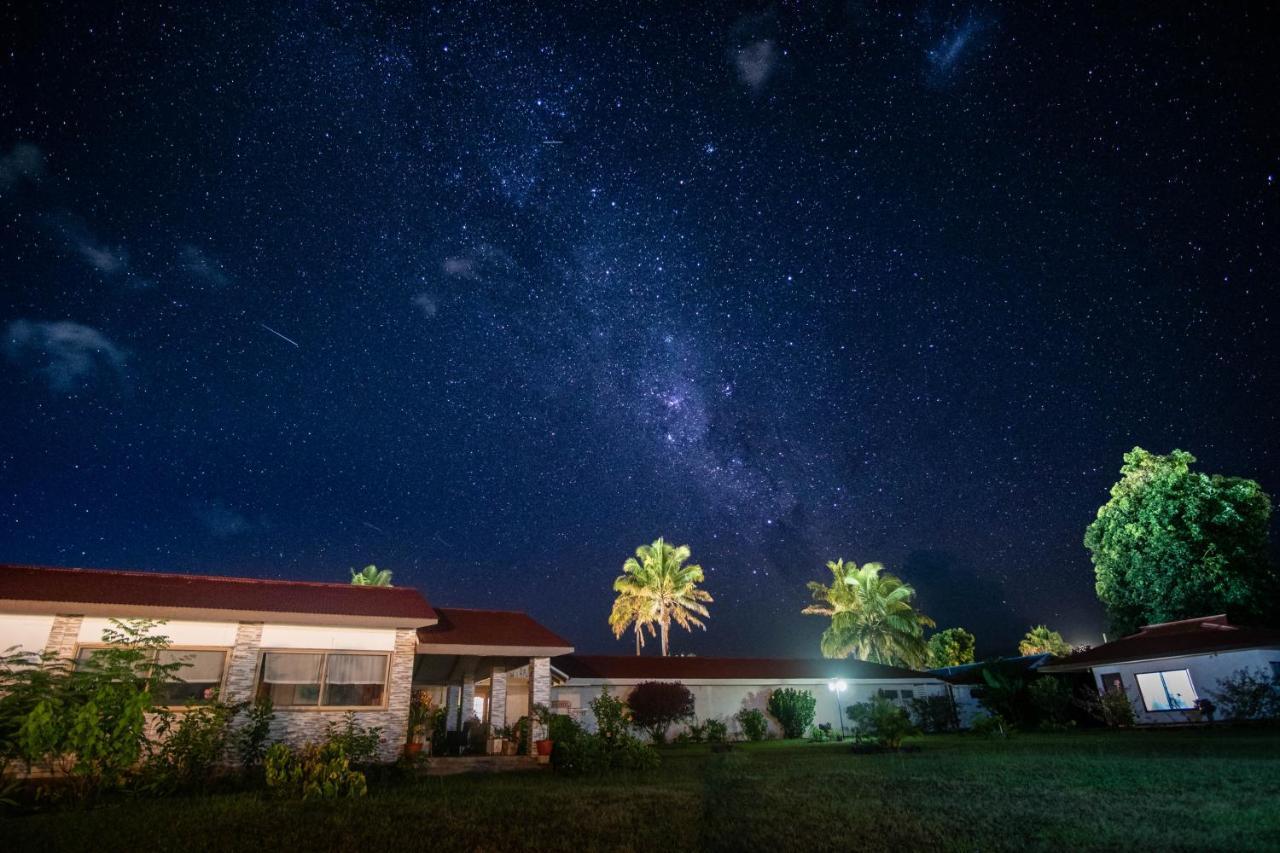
(213, 614)
(493, 650)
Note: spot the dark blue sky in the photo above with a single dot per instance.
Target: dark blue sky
(488, 296)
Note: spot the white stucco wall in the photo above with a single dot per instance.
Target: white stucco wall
(1206, 671)
(29, 633)
(723, 699)
(326, 637)
(180, 632)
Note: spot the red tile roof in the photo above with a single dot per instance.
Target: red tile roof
(164, 592)
(490, 628)
(700, 668)
(1171, 639)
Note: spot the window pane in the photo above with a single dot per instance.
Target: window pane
(353, 694)
(291, 678)
(196, 681)
(1166, 691)
(356, 669)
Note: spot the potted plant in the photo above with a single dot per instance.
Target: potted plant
(543, 715)
(421, 715)
(503, 741)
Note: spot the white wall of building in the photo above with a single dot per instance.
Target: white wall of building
(1206, 671)
(180, 632)
(327, 637)
(723, 699)
(30, 633)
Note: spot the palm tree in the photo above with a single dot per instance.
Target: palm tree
(1040, 640)
(631, 611)
(660, 589)
(371, 576)
(871, 616)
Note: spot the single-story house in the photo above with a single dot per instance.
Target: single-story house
(722, 687)
(968, 685)
(1165, 668)
(318, 650)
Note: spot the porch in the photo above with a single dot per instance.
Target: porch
(487, 669)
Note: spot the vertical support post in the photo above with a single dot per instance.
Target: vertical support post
(497, 699)
(452, 703)
(539, 694)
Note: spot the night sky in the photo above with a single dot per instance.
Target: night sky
(490, 295)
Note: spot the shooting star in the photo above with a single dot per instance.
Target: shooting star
(373, 527)
(278, 335)
(553, 142)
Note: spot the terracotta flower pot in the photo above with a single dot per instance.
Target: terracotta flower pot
(543, 747)
(412, 748)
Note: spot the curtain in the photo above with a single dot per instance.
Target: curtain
(201, 668)
(356, 669)
(292, 668)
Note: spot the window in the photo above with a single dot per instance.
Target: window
(907, 694)
(1167, 691)
(331, 679)
(888, 694)
(1111, 682)
(196, 680)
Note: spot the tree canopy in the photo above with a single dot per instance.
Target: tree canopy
(1173, 543)
(656, 587)
(872, 615)
(1040, 640)
(951, 647)
(371, 576)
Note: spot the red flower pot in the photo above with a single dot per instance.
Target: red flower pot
(543, 747)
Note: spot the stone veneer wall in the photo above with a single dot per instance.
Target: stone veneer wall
(63, 636)
(539, 692)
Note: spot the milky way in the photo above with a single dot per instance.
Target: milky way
(490, 295)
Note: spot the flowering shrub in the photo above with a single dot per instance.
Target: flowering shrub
(314, 772)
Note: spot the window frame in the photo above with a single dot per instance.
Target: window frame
(1143, 696)
(324, 671)
(222, 680)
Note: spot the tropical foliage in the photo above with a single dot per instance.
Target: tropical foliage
(793, 709)
(371, 576)
(1175, 544)
(656, 588)
(752, 723)
(872, 616)
(951, 647)
(882, 720)
(1040, 640)
(655, 705)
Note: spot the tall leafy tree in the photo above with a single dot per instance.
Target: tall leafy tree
(872, 615)
(1173, 543)
(1040, 640)
(371, 576)
(951, 647)
(664, 589)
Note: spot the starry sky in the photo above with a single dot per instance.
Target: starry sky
(490, 294)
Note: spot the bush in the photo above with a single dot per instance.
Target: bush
(358, 744)
(1113, 708)
(716, 731)
(612, 720)
(934, 714)
(1249, 695)
(793, 709)
(820, 734)
(251, 736)
(990, 725)
(655, 705)
(314, 772)
(882, 720)
(753, 723)
(1050, 700)
(562, 728)
(192, 749)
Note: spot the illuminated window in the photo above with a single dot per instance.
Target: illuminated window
(333, 679)
(1167, 691)
(1111, 682)
(196, 680)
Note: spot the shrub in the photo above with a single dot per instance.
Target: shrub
(562, 728)
(251, 736)
(820, 734)
(793, 709)
(990, 725)
(1249, 695)
(934, 714)
(716, 731)
(612, 720)
(882, 720)
(1050, 700)
(1113, 708)
(655, 705)
(191, 750)
(359, 744)
(753, 723)
(314, 772)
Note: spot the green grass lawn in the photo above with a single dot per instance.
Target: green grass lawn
(1105, 790)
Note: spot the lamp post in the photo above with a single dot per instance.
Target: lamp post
(838, 686)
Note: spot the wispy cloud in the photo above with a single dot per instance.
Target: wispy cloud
(953, 46)
(201, 266)
(223, 521)
(24, 162)
(756, 62)
(111, 261)
(459, 267)
(428, 304)
(66, 355)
